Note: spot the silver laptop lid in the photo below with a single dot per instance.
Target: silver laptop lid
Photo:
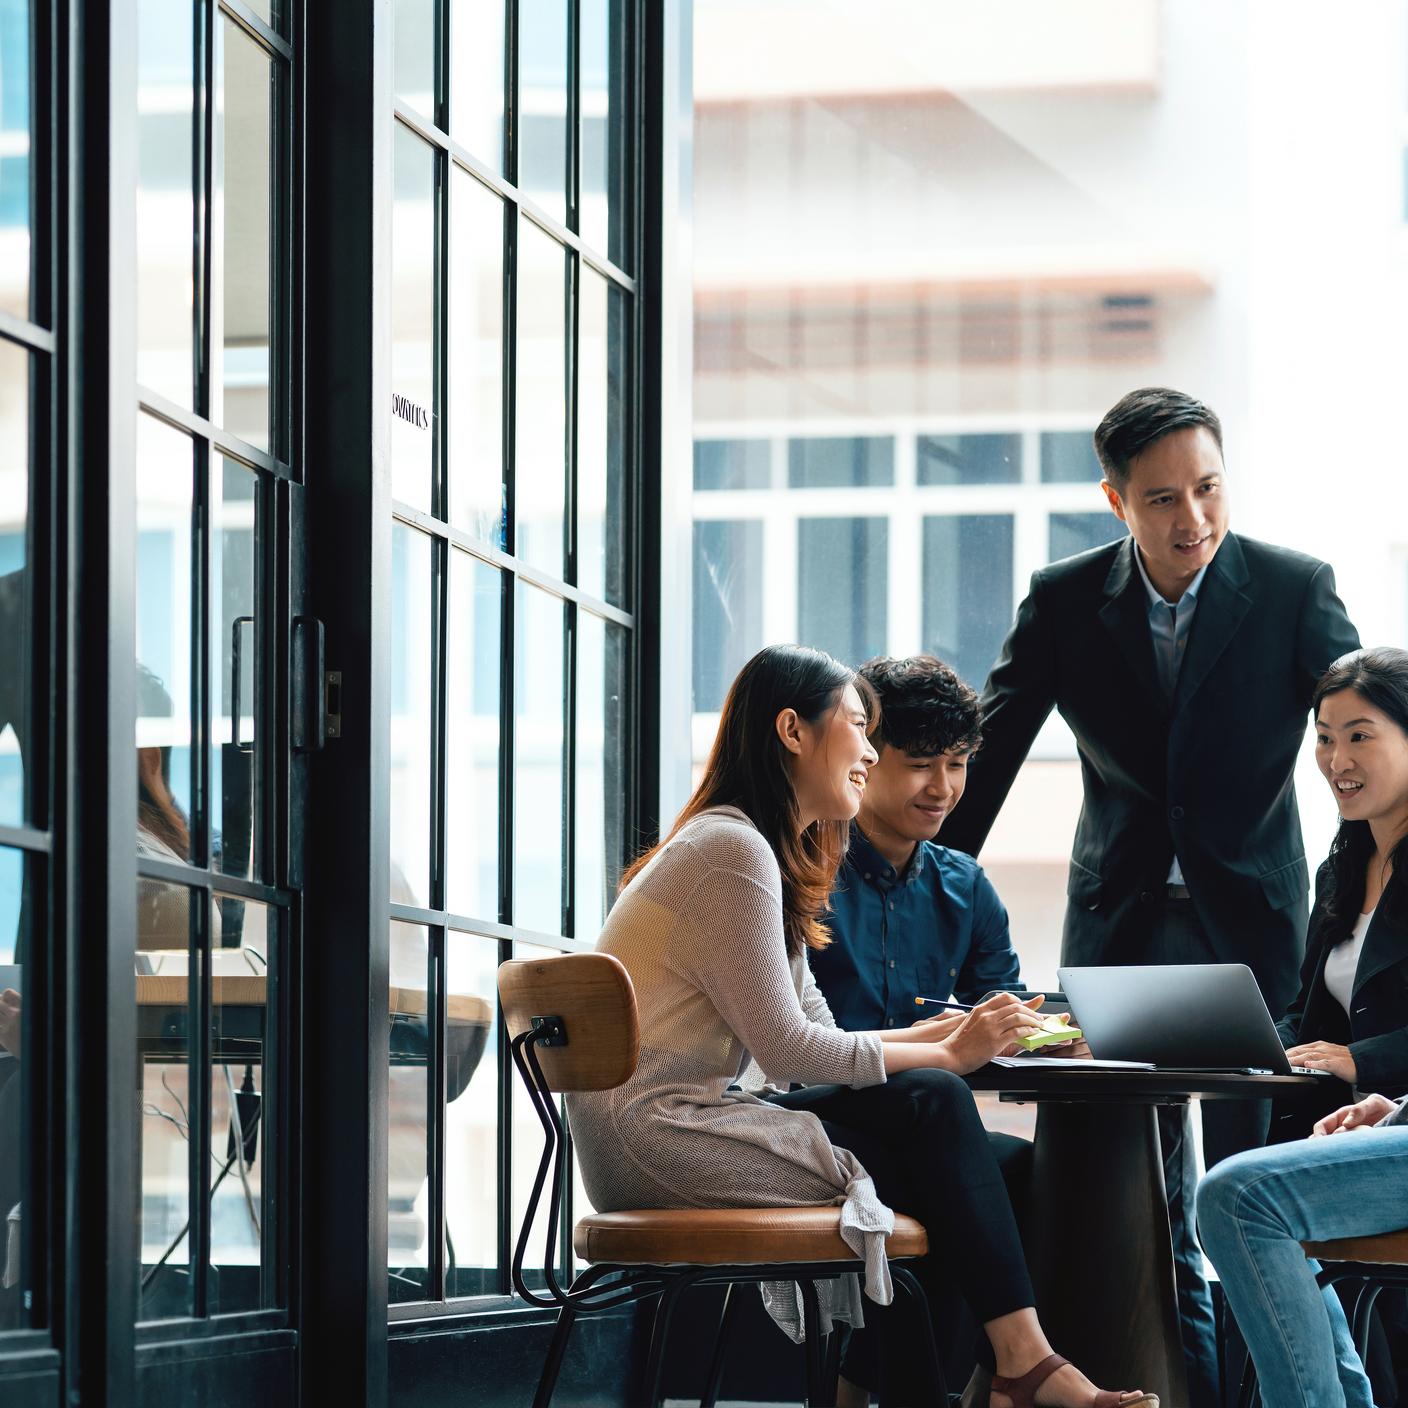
(1208, 1016)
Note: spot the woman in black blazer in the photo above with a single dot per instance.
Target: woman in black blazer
(1351, 1016)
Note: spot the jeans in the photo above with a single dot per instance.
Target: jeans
(1255, 1209)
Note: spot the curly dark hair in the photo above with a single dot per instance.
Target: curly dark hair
(925, 708)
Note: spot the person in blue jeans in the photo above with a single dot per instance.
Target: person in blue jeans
(1349, 1179)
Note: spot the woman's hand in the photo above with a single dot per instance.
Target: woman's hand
(1325, 1056)
(10, 1021)
(1370, 1110)
(937, 1028)
(991, 1029)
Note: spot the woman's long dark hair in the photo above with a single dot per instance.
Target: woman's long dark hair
(1380, 677)
(748, 769)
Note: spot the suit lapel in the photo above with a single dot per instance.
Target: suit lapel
(1221, 606)
(1385, 944)
(1125, 615)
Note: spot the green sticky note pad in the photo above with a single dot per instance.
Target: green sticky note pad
(1055, 1028)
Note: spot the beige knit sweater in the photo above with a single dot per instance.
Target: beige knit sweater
(700, 931)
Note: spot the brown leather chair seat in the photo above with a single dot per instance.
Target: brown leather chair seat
(730, 1236)
(1387, 1249)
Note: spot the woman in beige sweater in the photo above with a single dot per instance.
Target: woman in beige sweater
(713, 926)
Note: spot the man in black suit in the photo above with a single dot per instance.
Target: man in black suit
(1183, 659)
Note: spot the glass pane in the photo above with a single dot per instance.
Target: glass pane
(1068, 457)
(732, 464)
(16, 202)
(167, 933)
(240, 264)
(165, 207)
(1075, 532)
(967, 590)
(969, 459)
(16, 633)
(21, 896)
(840, 462)
(601, 437)
(244, 941)
(234, 661)
(411, 615)
(165, 572)
(843, 586)
(542, 99)
(602, 771)
(471, 1117)
(541, 454)
(412, 319)
(472, 741)
(477, 78)
(728, 605)
(604, 146)
(408, 1162)
(415, 55)
(538, 813)
(475, 424)
(527, 1151)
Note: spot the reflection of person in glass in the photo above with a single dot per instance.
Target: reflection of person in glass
(14, 714)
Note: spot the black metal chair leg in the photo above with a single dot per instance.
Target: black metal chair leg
(716, 1365)
(1247, 1395)
(552, 1365)
(1364, 1318)
(831, 1367)
(664, 1311)
(817, 1397)
(903, 1276)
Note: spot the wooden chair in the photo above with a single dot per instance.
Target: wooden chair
(573, 1025)
(1377, 1263)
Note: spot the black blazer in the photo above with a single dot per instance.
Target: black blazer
(1209, 771)
(1376, 1027)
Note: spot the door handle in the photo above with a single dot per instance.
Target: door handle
(310, 721)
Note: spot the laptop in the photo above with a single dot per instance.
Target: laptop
(1184, 1017)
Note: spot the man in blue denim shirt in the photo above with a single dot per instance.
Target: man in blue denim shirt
(910, 918)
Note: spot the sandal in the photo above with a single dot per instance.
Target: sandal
(1022, 1391)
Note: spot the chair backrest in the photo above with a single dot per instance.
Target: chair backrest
(591, 996)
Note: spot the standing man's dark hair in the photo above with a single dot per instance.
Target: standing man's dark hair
(1137, 420)
(1183, 657)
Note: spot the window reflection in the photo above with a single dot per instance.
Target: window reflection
(165, 208)
(601, 438)
(542, 98)
(16, 634)
(538, 799)
(414, 63)
(477, 79)
(410, 713)
(603, 145)
(472, 742)
(602, 765)
(16, 162)
(408, 1105)
(168, 934)
(475, 424)
(20, 894)
(412, 319)
(234, 657)
(164, 673)
(240, 266)
(728, 605)
(541, 453)
(243, 1123)
(471, 1116)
